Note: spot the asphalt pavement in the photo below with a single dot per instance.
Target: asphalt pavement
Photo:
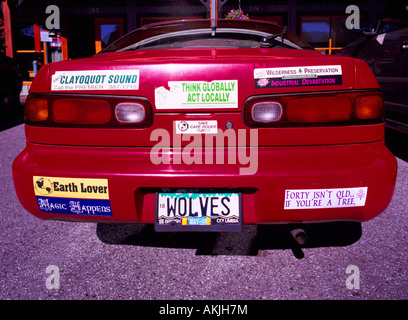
(65, 260)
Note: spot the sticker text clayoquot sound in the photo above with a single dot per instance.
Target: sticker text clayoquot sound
(95, 80)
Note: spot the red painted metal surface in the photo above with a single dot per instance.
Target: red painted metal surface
(133, 179)
(288, 158)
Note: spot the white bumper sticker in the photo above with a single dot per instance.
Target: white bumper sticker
(197, 94)
(325, 198)
(196, 127)
(95, 80)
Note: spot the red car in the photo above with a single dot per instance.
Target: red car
(195, 127)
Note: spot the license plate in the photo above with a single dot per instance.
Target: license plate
(198, 211)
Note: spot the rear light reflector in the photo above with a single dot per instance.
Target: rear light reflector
(266, 112)
(130, 112)
(369, 106)
(59, 110)
(81, 111)
(36, 109)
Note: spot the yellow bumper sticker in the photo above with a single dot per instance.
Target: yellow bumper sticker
(75, 196)
(71, 187)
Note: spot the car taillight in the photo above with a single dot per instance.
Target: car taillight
(369, 106)
(88, 111)
(81, 111)
(36, 109)
(314, 109)
(318, 109)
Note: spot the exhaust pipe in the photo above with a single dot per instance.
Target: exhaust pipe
(300, 236)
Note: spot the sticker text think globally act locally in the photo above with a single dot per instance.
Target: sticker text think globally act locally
(198, 94)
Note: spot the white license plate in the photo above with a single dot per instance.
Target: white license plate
(198, 211)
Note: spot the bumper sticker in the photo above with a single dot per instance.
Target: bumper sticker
(298, 76)
(95, 80)
(325, 198)
(75, 196)
(196, 127)
(197, 94)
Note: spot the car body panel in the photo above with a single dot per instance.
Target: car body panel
(263, 164)
(133, 179)
(206, 65)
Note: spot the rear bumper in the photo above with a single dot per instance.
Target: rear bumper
(133, 179)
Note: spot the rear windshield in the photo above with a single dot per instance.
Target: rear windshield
(205, 38)
(199, 34)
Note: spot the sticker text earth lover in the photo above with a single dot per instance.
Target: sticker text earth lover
(75, 196)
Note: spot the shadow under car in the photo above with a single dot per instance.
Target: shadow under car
(248, 242)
